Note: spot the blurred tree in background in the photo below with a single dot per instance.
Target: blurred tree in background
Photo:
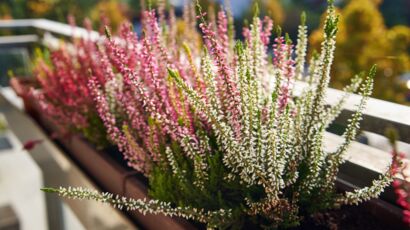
(5, 11)
(270, 8)
(363, 39)
(108, 12)
(51, 9)
(58, 10)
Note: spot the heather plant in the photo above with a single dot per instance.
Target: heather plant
(402, 187)
(141, 107)
(64, 73)
(401, 184)
(219, 131)
(63, 94)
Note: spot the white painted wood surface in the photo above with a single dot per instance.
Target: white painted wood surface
(58, 170)
(378, 114)
(50, 26)
(20, 183)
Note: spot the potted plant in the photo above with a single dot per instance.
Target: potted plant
(61, 101)
(218, 144)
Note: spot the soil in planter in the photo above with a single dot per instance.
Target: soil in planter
(346, 218)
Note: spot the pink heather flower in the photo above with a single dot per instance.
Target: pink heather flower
(406, 216)
(284, 63)
(64, 95)
(266, 32)
(223, 31)
(403, 202)
(154, 34)
(30, 144)
(246, 33)
(148, 104)
(401, 187)
(117, 54)
(131, 44)
(124, 82)
(227, 90)
(279, 53)
(396, 183)
(134, 157)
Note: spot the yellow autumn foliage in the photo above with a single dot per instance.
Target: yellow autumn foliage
(39, 8)
(111, 9)
(271, 8)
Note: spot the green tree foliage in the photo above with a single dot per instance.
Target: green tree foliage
(59, 9)
(112, 10)
(364, 40)
(270, 8)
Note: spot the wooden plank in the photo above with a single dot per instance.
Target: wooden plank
(378, 114)
(366, 156)
(50, 26)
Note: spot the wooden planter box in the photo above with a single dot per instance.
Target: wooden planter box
(114, 177)
(108, 173)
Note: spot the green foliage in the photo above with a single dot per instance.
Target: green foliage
(254, 156)
(302, 167)
(215, 194)
(270, 8)
(303, 18)
(364, 40)
(95, 132)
